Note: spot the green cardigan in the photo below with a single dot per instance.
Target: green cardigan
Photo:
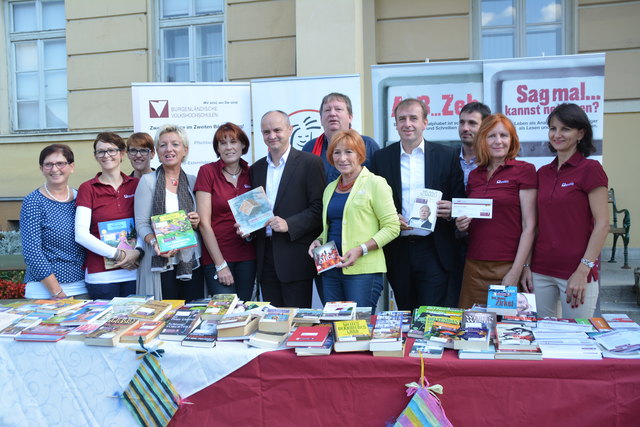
(368, 213)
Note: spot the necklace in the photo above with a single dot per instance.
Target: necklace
(46, 189)
(233, 175)
(174, 181)
(345, 187)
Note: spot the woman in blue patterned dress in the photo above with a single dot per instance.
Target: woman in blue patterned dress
(53, 258)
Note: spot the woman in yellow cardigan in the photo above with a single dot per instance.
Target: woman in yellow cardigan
(359, 216)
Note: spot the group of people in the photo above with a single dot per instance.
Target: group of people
(545, 235)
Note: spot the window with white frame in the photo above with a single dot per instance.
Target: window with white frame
(38, 63)
(516, 28)
(191, 40)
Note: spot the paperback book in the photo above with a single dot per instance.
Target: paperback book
(145, 329)
(308, 336)
(59, 306)
(339, 310)
(516, 337)
(220, 305)
(178, 327)
(109, 333)
(120, 234)
(351, 335)
(503, 300)
(423, 210)
(276, 320)
(151, 310)
(428, 349)
(324, 350)
(173, 231)
(326, 256)
(204, 335)
(19, 325)
(387, 333)
(264, 339)
(251, 210)
(238, 326)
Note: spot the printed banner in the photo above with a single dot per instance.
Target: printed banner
(200, 108)
(300, 98)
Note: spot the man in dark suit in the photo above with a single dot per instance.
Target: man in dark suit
(419, 262)
(294, 183)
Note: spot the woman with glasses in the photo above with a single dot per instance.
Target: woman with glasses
(54, 260)
(229, 260)
(140, 151)
(110, 271)
(174, 274)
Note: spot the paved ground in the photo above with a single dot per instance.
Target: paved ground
(616, 285)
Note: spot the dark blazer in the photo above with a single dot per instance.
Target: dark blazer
(299, 202)
(442, 172)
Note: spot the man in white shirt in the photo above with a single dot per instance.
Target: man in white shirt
(294, 182)
(419, 262)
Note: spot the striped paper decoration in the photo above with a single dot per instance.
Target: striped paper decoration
(150, 396)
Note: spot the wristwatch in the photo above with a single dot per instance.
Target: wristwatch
(588, 263)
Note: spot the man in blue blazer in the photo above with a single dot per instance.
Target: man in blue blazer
(294, 183)
(419, 262)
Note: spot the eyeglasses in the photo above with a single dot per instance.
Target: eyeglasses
(132, 152)
(111, 151)
(59, 165)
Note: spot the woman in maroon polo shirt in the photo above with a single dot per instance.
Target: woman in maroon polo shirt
(107, 197)
(574, 218)
(229, 260)
(498, 247)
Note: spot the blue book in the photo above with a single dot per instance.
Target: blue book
(503, 300)
(119, 233)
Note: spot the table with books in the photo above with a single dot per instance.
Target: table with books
(224, 381)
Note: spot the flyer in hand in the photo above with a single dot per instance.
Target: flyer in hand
(173, 231)
(251, 210)
(326, 256)
(423, 211)
(119, 233)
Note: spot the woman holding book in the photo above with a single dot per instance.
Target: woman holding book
(140, 150)
(229, 260)
(498, 247)
(360, 217)
(110, 271)
(174, 274)
(574, 218)
(47, 220)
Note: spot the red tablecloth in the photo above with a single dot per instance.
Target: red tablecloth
(357, 389)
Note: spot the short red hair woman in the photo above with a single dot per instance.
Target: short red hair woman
(498, 247)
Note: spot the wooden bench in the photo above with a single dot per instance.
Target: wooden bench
(622, 231)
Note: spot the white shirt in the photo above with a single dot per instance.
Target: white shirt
(412, 174)
(274, 176)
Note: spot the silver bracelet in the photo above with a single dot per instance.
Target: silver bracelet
(364, 249)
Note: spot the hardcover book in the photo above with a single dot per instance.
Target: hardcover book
(326, 256)
(119, 233)
(173, 231)
(251, 210)
(220, 305)
(503, 300)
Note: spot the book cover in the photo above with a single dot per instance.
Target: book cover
(232, 320)
(512, 336)
(239, 332)
(173, 231)
(126, 305)
(326, 256)
(59, 306)
(474, 336)
(352, 330)
(308, 336)
(428, 349)
(79, 333)
(151, 310)
(423, 210)
(109, 333)
(7, 319)
(339, 310)
(503, 300)
(19, 325)
(89, 313)
(220, 305)
(178, 327)
(276, 320)
(251, 210)
(308, 315)
(204, 335)
(387, 333)
(147, 329)
(119, 233)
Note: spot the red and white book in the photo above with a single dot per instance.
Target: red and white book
(308, 336)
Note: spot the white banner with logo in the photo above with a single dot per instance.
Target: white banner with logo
(300, 98)
(199, 108)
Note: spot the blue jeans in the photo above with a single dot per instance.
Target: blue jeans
(244, 277)
(111, 290)
(364, 289)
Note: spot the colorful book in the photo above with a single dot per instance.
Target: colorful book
(387, 333)
(109, 333)
(119, 233)
(145, 329)
(220, 305)
(502, 300)
(44, 333)
(251, 210)
(89, 313)
(423, 210)
(8, 319)
(326, 257)
(308, 336)
(339, 310)
(127, 305)
(516, 337)
(352, 335)
(19, 325)
(204, 335)
(173, 231)
(181, 324)
(59, 306)
(276, 320)
(308, 316)
(428, 349)
(474, 336)
(79, 333)
(151, 310)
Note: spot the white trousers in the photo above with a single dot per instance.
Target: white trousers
(551, 290)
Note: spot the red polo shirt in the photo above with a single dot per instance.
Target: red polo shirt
(211, 180)
(497, 239)
(565, 221)
(106, 204)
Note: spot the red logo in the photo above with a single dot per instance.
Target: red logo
(159, 109)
